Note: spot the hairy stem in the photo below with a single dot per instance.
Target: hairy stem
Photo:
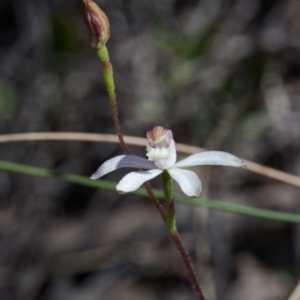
(188, 264)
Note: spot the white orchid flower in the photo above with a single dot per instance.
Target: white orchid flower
(161, 152)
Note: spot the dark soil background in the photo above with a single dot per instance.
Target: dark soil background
(223, 74)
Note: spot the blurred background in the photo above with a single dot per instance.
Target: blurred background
(222, 74)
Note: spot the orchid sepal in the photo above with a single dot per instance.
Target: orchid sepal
(210, 158)
(133, 180)
(188, 181)
(123, 161)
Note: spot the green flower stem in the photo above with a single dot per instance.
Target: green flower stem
(168, 183)
(171, 215)
(107, 71)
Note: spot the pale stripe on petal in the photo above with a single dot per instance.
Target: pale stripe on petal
(210, 158)
(188, 181)
(123, 161)
(134, 180)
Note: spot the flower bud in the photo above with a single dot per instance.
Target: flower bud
(97, 23)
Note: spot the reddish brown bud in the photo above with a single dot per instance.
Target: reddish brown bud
(97, 23)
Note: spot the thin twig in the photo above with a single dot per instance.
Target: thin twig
(138, 141)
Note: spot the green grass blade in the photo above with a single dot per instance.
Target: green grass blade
(109, 185)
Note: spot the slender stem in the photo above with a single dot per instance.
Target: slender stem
(107, 71)
(168, 184)
(155, 201)
(169, 218)
(188, 264)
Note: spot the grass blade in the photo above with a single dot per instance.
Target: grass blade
(109, 185)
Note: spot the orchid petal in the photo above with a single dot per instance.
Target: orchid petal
(122, 161)
(132, 181)
(210, 158)
(188, 181)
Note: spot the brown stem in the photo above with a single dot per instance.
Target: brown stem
(155, 202)
(188, 264)
(115, 116)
